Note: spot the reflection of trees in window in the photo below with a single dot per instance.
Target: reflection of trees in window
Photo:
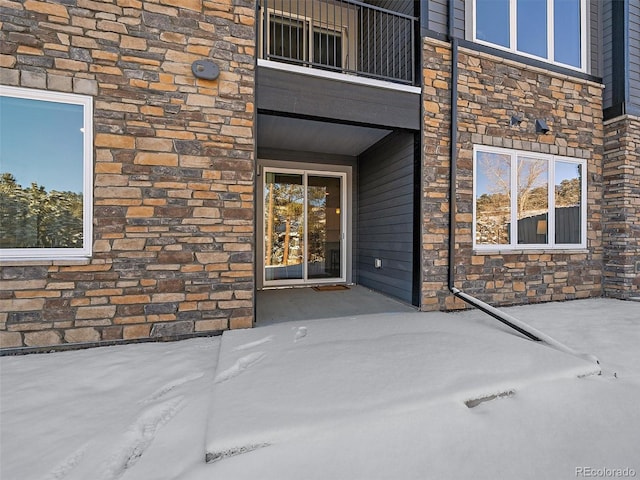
(284, 208)
(533, 186)
(317, 223)
(34, 218)
(533, 200)
(568, 199)
(508, 214)
(493, 204)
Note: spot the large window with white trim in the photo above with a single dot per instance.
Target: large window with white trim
(46, 159)
(550, 30)
(527, 200)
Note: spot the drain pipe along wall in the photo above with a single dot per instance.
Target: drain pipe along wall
(503, 317)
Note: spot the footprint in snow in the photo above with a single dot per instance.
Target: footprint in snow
(301, 332)
(139, 436)
(168, 387)
(232, 452)
(257, 343)
(68, 464)
(240, 366)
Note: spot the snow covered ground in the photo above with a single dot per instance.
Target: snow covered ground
(369, 397)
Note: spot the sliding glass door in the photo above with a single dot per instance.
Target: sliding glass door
(304, 227)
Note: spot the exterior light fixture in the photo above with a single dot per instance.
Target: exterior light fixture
(515, 120)
(205, 69)
(541, 126)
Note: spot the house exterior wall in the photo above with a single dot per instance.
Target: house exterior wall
(491, 89)
(173, 250)
(621, 207)
(437, 21)
(633, 44)
(385, 216)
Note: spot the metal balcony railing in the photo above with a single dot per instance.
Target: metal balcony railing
(344, 36)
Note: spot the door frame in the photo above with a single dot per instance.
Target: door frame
(343, 171)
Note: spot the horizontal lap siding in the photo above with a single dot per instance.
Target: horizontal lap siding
(634, 53)
(595, 8)
(438, 17)
(385, 216)
(305, 95)
(607, 53)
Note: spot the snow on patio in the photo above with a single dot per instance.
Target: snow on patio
(368, 397)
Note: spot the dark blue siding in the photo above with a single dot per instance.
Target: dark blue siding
(607, 53)
(438, 17)
(385, 216)
(634, 53)
(595, 26)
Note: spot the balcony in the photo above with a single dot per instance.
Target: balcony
(342, 36)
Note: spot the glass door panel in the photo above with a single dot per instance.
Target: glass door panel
(324, 227)
(304, 227)
(284, 226)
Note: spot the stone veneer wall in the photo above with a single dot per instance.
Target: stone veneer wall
(621, 207)
(491, 89)
(173, 250)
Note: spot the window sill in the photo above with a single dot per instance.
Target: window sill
(19, 262)
(533, 251)
(518, 60)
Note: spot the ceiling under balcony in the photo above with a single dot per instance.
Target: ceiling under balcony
(295, 134)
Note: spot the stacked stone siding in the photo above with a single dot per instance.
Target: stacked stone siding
(491, 89)
(621, 207)
(173, 250)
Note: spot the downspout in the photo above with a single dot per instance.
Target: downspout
(512, 322)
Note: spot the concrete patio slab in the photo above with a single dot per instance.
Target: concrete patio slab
(285, 305)
(297, 375)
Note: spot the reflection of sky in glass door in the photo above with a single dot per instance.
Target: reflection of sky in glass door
(42, 142)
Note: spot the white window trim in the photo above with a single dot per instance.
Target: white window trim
(86, 102)
(513, 35)
(312, 24)
(343, 176)
(551, 234)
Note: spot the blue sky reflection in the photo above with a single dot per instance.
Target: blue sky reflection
(42, 142)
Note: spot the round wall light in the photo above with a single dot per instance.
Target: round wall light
(205, 69)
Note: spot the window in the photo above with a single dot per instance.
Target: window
(300, 41)
(46, 159)
(551, 30)
(515, 207)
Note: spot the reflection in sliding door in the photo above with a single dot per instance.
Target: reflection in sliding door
(304, 227)
(284, 226)
(324, 227)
